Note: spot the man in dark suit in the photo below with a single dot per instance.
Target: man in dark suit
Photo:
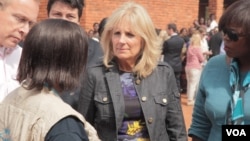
(172, 51)
(215, 43)
(71, 10)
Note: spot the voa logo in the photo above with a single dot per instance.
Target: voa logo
(236, 132)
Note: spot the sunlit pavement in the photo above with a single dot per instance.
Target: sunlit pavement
(187, 111)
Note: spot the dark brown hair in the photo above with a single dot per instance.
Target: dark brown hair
(54, 54)
(79, 4)
(237, 14)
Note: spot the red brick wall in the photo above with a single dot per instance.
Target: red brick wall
(43, 12)
(182, 12)
(216, 7)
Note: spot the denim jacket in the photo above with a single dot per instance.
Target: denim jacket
(102, 103)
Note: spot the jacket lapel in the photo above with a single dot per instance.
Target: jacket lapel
(112, 77)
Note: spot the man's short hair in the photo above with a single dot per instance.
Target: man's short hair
(79, 4)
(172, 26)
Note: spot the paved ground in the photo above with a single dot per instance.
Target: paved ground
(187, 111)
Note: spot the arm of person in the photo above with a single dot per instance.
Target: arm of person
(209, 52)
(175, 124)
(67, 129)
(200, 56)
(201, 125)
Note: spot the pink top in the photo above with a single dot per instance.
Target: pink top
(194, 58)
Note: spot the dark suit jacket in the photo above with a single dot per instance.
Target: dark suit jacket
(215, 43)
(95, 52)
(172, 52)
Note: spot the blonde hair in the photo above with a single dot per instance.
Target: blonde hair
(202, 30)
(141, 24)
(163, 35)
(195, 39)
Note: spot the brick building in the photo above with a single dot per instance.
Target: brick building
(182, 12)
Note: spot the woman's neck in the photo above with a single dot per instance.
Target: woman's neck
(244, 64)
(126, 66)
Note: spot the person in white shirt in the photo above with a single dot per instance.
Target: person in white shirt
(213, 23)
(9, 60)
(16, 19)
(222, 51)
(204, 44)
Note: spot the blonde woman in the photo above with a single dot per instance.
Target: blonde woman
(131, 96)
(193, 66)
(224, 90)
(163, 35)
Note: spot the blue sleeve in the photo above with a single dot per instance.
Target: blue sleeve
(67, 129)
(201, 125)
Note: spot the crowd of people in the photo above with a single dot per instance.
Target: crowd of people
(123, 80)
(225, 81)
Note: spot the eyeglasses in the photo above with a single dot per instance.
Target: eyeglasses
(232, 35)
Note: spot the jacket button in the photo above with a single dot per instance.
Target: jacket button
(150, 120)
(164, 100)
(144, 98)
(105, 99)
(178, 94)
(138, 81)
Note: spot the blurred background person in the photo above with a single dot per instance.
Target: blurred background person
(131, 95)
(102, 25)
(90, 33)
(172, 49)
(202, 22)
(196, 24)
(163, 35)
(193, 66)
(223, 96)
(184, 34)
(204, 44)
(96, 35)
(215, 43)
(212, 23)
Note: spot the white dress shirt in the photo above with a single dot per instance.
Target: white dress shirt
(213, 24)
(222, 51)
(9, 61)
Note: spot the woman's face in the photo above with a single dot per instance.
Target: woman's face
(184, 32)
(236, 48)
(126, 44)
